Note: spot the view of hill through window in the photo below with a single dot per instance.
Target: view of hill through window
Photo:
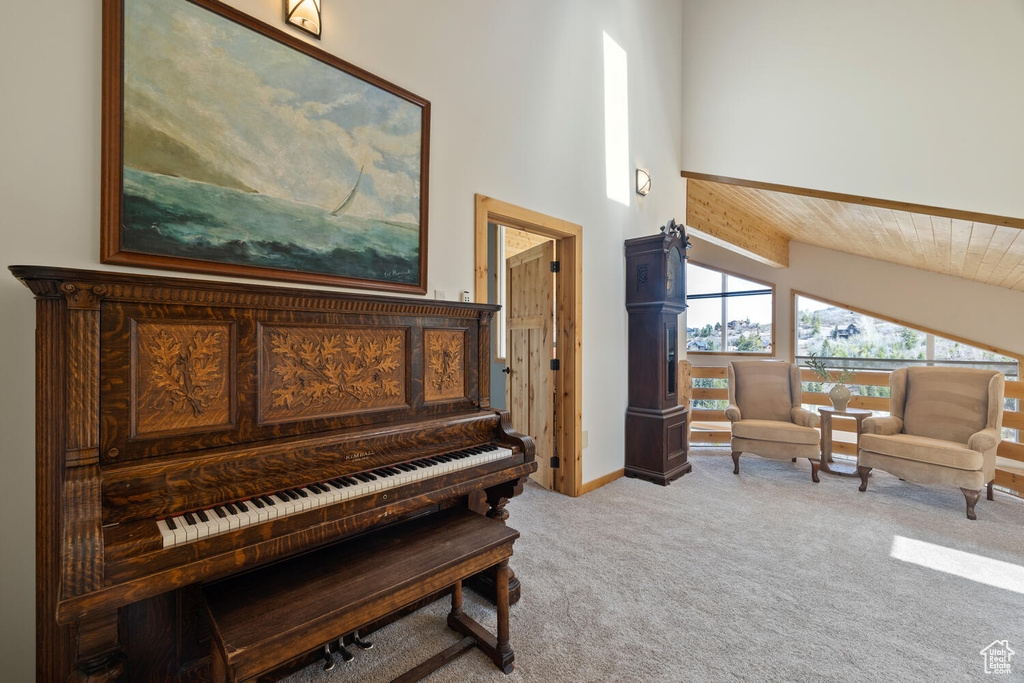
(727, 313)
(846, 338)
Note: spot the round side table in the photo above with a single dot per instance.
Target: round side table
(826, 413)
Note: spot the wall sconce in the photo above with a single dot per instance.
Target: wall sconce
(643, 181)
(303, 15)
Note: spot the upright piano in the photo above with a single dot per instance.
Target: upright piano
(188, 431)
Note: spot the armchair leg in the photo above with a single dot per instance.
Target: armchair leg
(815, 466)
(972, 497)
(989, 493)
(736, 462)
(863, 472)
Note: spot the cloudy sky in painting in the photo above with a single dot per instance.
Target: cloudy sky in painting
(277, 121)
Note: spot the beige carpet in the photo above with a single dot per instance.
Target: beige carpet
(763, 576)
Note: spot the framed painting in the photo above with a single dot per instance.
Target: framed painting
(231, 147)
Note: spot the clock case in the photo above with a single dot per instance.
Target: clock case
(656, 425)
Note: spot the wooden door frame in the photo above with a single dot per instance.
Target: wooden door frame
(568, 478)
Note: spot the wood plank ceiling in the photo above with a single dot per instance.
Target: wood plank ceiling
(760, 221)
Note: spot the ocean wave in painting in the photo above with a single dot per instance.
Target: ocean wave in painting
(185, 218)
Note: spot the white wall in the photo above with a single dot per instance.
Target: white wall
(912, 100)
(517, 95)
(943, 303)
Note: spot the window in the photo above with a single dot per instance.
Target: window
(847, 338)
(727, 313)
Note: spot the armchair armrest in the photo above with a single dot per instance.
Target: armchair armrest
(883, 425)
(985, 440)
(804, 418)
(733, 413)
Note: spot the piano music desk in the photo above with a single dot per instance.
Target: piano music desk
(264, 619)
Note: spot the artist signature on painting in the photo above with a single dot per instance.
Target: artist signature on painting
(392, 274)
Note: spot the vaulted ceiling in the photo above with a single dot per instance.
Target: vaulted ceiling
(760, 222)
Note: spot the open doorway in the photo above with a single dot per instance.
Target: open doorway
(531, 230)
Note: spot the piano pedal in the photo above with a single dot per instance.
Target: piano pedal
(346, 654)
(363, 644)
(328, 657)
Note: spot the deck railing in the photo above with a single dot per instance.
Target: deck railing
(711, 425)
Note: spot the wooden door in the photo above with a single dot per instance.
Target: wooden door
(529, 392)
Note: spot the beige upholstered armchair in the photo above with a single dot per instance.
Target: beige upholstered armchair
(944, 427)
(766, 414)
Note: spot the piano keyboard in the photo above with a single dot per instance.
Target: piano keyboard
(191, 526)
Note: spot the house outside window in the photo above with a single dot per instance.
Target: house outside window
(728, 313)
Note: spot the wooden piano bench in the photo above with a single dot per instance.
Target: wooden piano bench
(268, 617)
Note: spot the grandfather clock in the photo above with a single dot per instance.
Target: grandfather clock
(656, 425)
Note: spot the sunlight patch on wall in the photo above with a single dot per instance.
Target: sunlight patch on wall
(616, 122)
(984, 570)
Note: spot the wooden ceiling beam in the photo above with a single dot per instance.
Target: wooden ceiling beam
(1007, 221)
(717, 219)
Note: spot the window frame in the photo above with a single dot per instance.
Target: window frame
(889, 319)
(724, 295)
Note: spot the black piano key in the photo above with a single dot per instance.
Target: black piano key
(202, 516)
(302, 493)
(269, 500)
(170, 524)
(242, 507)
(352, 481)
(190, 519)
(405, 467)
(220, 512)
(258, 503)
(290, 494)
(231, 508)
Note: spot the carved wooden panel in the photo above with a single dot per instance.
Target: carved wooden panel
(444, 364)
(308, 372)
(83, 387)
(182, 376)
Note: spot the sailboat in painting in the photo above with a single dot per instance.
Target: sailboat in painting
(343, 207)
(207, 177)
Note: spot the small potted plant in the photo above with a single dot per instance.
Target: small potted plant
(839, 394)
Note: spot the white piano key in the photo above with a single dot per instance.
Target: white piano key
(179, 532)
(284, 505)
(165, 533)
(191, 532)
(221, 522)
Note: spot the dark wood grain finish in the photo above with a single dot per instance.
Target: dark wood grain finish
(656, 424)
(444, 364)
(109, 594)
(325, 371)
(183, 377)
(55, 651)
(83, 401)
(263, 619)
(82, 548)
